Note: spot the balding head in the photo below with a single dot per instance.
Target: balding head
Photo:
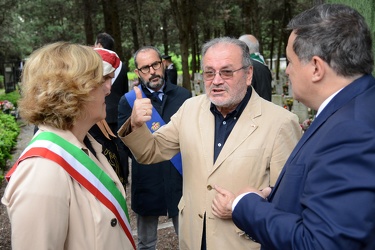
(251, 42)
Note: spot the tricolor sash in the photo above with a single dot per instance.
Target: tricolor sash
(257, 57)
(154, 124)
(81, 168)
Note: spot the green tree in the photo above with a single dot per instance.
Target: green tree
(367, 9)
(9, 30)
(182, 13)
(175, 27)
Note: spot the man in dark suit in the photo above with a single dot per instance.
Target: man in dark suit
(325, 195)
(262, 77)
(156, 189)
(170, 70)
(120, 86)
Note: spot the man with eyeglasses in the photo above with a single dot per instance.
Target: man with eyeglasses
(229, 136)
(324, 197)
(156, 189)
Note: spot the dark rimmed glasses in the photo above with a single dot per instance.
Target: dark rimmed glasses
(225, 74)
(146, 69)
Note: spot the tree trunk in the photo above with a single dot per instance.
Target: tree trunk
(273, 34)
(133, 24)
(164, 33)
(193, 53)
(112, 24)
(141, 33)
(181, 12)
(87, 10)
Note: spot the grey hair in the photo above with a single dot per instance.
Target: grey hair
(145, 48)
(336, 33)
(253, 45)
(246, 61)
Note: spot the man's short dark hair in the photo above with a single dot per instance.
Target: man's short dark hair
(106, 40)
(336, 33)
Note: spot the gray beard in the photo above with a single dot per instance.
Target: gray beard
(154, 86)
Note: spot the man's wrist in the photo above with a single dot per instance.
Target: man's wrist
(238, 198)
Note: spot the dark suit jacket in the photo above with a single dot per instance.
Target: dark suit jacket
(171, 75)
(157, 188)
(262, 80)
(325, 195)
(118, 89)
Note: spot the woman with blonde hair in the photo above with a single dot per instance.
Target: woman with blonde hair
(62, 192)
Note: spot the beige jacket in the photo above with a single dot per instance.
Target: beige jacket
(253, 154)
(50, 210)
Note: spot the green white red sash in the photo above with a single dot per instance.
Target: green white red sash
(257, 57)
(81, 168)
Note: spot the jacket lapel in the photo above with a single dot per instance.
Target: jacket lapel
(207, 133)
(343, 97)
(244, 127)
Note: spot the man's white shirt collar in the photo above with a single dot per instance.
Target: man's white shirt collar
(325, 103)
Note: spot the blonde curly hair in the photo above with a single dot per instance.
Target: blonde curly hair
(56, 83)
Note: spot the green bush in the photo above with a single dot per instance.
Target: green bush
(9, 131)
(1, 81)
(12, 97)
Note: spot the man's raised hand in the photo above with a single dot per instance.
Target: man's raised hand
(142, 110)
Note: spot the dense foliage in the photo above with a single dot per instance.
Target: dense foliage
(11, 97)
(177, 27)
(9, 131)
(9, 128)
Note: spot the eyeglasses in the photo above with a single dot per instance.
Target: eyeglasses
(146, 69)
(225, 74)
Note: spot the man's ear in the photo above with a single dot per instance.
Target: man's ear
(136, 71)
(319, 68)
(98, 45)
(249, 75)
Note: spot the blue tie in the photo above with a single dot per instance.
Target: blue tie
(156, 96)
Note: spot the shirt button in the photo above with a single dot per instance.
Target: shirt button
(200, 216)
(209, 187)
(113, 222)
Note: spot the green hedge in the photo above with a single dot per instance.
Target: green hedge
(12, 97)
(9, 131)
